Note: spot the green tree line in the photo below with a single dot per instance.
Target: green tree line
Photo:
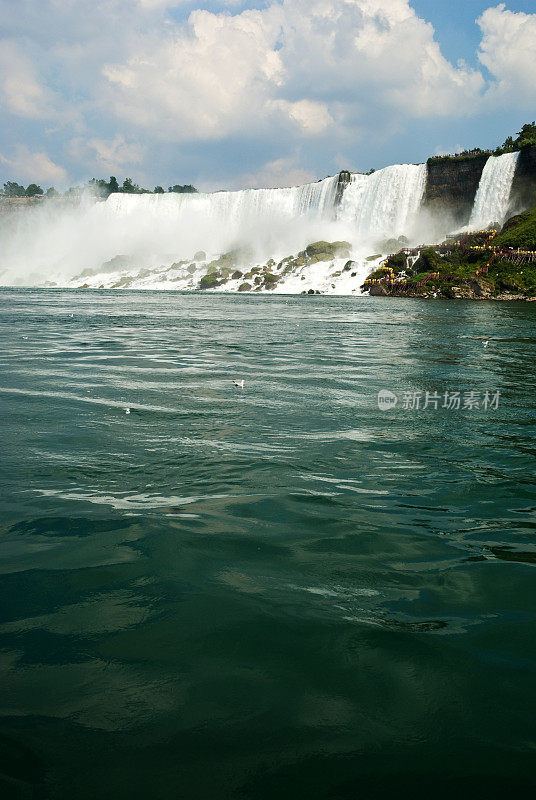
(98, 186)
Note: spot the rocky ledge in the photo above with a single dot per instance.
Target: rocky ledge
(482, 265)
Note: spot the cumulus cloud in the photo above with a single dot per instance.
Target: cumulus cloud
(508, 52)
(301, 64)
(280, 172)
(310, 76)
(23, 164)
(21, 92)
(204, 82)
(110, 154)
(311, 116)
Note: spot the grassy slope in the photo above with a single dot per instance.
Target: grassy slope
(458, 268)
(519, 231)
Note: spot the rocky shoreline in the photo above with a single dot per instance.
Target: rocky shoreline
(480, 265)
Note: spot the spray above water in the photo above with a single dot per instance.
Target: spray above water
(58, 243)
(169, 240)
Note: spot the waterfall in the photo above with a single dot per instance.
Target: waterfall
(386, 203)
(493, 193)
(59, 241)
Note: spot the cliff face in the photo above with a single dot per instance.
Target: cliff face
(451, 186)
(342, 183)
(524, 185)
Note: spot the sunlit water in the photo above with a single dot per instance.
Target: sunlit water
(279, 591)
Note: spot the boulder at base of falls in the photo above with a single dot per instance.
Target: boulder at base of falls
(244, 287)
(327, 251)
(200, 256)
(377, 290)
(210, 281)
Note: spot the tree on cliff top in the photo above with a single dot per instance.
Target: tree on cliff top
(187, 189)
(33, 190)
(526, 137)
(12, 189)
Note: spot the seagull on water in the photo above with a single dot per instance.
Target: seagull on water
(127, 410)
(240, 384)
(485, 342)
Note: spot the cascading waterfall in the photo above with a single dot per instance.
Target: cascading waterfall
(493, 194)
(385, 203)
(59, 242)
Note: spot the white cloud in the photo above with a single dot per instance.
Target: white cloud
(310, 76)
(110, 154)
(508, 51)
(312, 117)
(21, 92)
(204, 82)
(301, 64)
(25, 165)
(281, 172)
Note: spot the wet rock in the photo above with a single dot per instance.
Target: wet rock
(326, 251)
(122, 283)
(237, 274)
(245, 287)
(377, 290)
(200, 256)
(480, 288)
(459, 293)
(210, 281)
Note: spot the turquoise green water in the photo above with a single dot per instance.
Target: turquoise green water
(279, 591)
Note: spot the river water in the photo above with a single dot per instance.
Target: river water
(275, 591)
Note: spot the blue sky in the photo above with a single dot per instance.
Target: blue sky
(231, 94)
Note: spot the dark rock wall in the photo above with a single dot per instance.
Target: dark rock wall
(342, 183)
(524, 185)
(451, 186)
